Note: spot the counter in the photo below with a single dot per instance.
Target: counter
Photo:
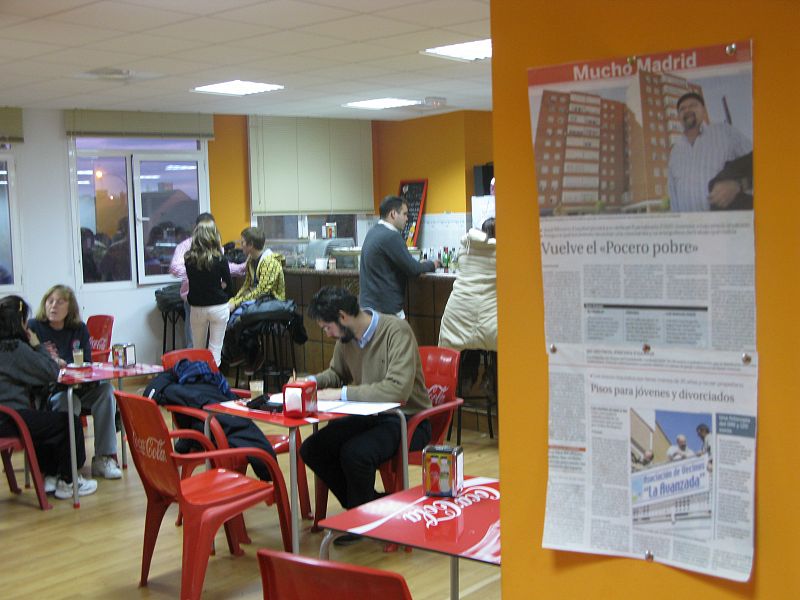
(426, 298)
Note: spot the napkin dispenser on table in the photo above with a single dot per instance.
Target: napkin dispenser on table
(300, 399)
(443, 470)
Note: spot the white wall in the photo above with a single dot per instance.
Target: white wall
(49, 244)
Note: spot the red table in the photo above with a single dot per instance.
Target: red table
(464, 527)
(238, 408)
(97, 372)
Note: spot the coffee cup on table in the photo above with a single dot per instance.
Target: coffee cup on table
(256, 388)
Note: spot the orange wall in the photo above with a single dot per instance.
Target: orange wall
(542, 32)
(228, 174)
(435, 148)
(477, 145)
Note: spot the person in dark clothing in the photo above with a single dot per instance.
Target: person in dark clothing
(24, 365)
(58, 325)
(386, 263)
(209, 288)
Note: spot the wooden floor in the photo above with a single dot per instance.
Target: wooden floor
(95, 552)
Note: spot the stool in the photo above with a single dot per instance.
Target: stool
(277, 347)
(172, 315)
(489, 360)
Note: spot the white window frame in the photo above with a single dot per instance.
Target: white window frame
(15, 226)
(132, 161)
(201, 157)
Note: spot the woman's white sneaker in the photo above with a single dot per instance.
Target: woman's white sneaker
(86, 487)
(50, 482)
(105, 467)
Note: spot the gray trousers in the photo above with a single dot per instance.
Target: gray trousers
(100, 400)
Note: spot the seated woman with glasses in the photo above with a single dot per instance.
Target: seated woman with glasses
(58, 325)
(25, 364)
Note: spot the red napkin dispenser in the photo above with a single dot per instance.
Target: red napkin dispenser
(300, 399)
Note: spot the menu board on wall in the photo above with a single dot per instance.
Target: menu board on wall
(413, 191)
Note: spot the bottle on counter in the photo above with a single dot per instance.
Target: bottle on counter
(446, 260)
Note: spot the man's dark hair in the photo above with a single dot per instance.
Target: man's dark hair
(689, 96)
(204, 217)
(391, 203)
(14, 312)
(703, 426)
(328, 301)
(254, 236)
(488, 227)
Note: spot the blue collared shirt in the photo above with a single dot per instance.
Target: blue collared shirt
(366, 338)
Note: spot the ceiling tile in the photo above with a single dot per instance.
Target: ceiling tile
(195, 7)
(16, 49)
(287, 42)
(287, 14)
(57, 33)
(360, 28)
(85, 59)
(208, 30)
(145, 44)
(439, 13)
(352, 53)
(479, 30)
(420, 40)
(219, 54)
(120, 16)
(39, 8)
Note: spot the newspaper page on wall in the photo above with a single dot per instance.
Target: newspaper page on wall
(645, 193)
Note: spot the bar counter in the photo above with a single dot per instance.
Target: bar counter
(426, 298)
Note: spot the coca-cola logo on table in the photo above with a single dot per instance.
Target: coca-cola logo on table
(150, 447)
(446, 509)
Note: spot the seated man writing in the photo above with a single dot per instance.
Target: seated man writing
(375, 359)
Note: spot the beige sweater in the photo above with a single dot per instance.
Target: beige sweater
(388, 369)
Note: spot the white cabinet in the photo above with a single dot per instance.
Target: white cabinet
(310, 165)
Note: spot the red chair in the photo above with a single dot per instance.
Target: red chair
(100, 336)
(21, 442)
(292, 577)
(280, 443)
(208, 500)
(440, 367)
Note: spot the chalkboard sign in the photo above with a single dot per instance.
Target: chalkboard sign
(413, 191)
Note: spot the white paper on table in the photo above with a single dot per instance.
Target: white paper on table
(355, 408)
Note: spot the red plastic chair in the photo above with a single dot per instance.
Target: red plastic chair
(21, 442)
(280, 443)
(208, 500)
(440, 367)
(292, 577)
(100, 336)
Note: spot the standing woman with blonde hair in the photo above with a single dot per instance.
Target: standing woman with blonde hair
(209, 288)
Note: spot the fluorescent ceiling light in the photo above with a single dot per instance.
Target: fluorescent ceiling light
(3, 183)
(381, 103)
(237, 88)
(180, 168)
(467, 51)
(84, 182)
(85, 172)
(149, 176)
(3, 172)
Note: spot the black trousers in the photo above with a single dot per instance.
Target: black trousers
(346, 453)
(50, 439)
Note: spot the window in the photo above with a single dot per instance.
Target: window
(9, 240)
(137, 199)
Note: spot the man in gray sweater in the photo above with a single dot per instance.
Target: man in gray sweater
(386, 262)
(376, 359)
